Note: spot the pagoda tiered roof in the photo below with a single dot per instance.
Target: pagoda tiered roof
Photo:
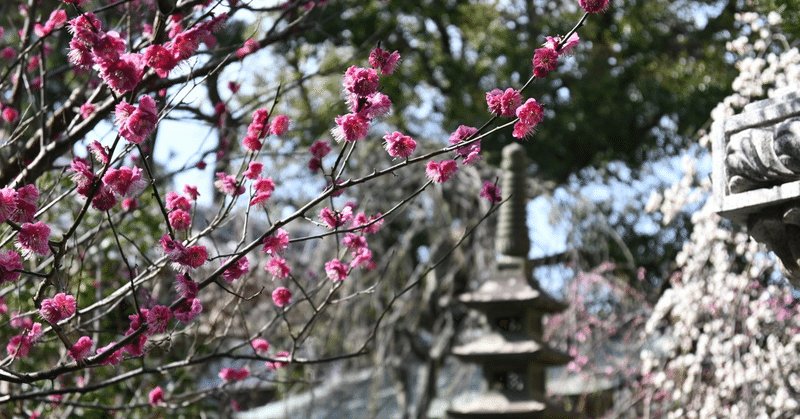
(511, 290)
(494, 347)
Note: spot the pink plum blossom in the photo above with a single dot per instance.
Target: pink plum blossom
(281, 296)
(471, 152)
(125, 181)
(254, 169)
(278, 267)
(370, 225)
(259, 128)
(280, 125)
(175, 201)
(233, 374)
(179, 220)
(99, 152)
(354, 241)
(19, 346)
(113, 359)
(350, 128)
(261, 346)
(187, 311)
(441, 171)
(135, 124)
(227, 184)
(361, 257)
(530, 114)
(273, 365)
(383, 61)
(157, 319)
(25, 204)
(156, 396)
(276, 244)
(60, 307)
(191, 192)
(491, 192)
(81, 348)
(186, 287)
(320, 149)
(503, 103)
(10, 114)
(56, 20)
(8, 203)
(123, 74)
(545, 60)
(9, 263)
(566, 49)
(593, 6)
(160, 59)
(335, 219)
(399, 145)
(336, 270)
(361, 81)
(33, 238)
(250, 46)
(235, 271)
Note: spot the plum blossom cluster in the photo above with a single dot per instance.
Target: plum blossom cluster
(360, 255)
(128, 65)
(21, 344)
(263, 188)
(363, 98)
(491, 192)
(261, 127)
(56, 20)
(261, 346)
(355, 242)
(60, 307)
(136, 123)
(124, 183)
(19, 206)
(545, 59)
(184, 258)
(179, 207)
(274, 246)
(318, 151)
(587, 333)
(91, 47)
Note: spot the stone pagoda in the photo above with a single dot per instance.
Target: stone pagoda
(512, 354)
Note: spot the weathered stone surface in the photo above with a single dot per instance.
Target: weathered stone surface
(512, 356)
(512, 228)
(495, 404)
(493, 347)
(764, 157)
(511, 291)
(756, 174)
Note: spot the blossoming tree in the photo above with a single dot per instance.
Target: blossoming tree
(119, 291)
(727, 326)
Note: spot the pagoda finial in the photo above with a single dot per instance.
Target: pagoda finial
(512, 229)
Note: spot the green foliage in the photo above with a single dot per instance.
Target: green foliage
(788, 9)
(644, 78)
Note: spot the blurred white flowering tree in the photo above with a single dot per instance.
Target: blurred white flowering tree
(725, 335)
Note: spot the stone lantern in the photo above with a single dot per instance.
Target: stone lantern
(512, 354)
(756, 174)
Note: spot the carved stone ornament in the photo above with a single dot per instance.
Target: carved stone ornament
(756, 174)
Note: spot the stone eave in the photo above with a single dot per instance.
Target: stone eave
(508, 292)
(497, 405)
(494, 347)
